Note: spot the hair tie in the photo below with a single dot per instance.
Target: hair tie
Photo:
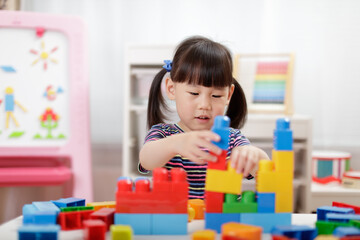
(168, 65)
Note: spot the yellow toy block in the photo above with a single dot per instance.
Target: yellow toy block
(121, 232)
(326, 237)
(99, 205)
(204, 235)
(223, 181)
(284, 192)
(242, 231)
(265, 180)
(284, 160)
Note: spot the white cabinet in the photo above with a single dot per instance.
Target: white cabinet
(143, 62)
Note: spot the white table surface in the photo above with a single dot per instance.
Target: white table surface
(8, 230)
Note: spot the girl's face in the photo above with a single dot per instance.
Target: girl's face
(197, 106)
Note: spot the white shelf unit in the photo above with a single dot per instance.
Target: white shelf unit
(144, 61)
(259, 128)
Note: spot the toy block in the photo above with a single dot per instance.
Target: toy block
(69, 202)
(221, 127)
(204, 235)
(266, 220)
(326, 237)
(283, 160)
(169, 224)
(214, 202)
(355, 223)
(346, 231)
(220, 163)
(355, 237)
(243, 231)
(40, 213)
(121, 232)
(199, 206)
(295, 231)
(73, 209)
(94, 230)
(38, 232)
(73, 220)
(265, 177)
(338, 217)
(247, 203)
(345, 205)
(278, 237)
(104, 214)
(322, 211)
(223, 181)
(99, 205)
(266, 202)
(284, 192)
(215, 220)
(283, 137)
(140, 223)
(169, 193)
(191, 213)
(229, 237)
(326, 228)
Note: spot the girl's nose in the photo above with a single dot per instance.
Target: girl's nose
(205, 103)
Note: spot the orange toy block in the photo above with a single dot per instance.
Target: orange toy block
(199, 206)
(243, 231)
(284, 160)
(204, 235)
(99, 205)
(223, 181)
(265, 180)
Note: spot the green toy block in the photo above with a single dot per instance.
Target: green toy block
(327, 228)
(355, 223)
(78, 208)
(247, 203)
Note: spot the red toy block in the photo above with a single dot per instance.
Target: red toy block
(350, 238)
(229, 237)
(345, 205)
(169, 193)
(279, 237)
(214, 202)
(106, 215)
(73, 220)
(220, 164)
(94, 230)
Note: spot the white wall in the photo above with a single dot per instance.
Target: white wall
(324, 35)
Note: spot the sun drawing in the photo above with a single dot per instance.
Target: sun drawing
(44, 55)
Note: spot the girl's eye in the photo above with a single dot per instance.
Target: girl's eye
(194, 93)
(216, 96)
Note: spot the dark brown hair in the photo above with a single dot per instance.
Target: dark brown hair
(201, 61)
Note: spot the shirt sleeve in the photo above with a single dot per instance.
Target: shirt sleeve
(155, 133)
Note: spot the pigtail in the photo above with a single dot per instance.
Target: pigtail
(156, 102)
(237, 109)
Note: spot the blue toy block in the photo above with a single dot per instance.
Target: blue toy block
(322, 211)
(38, 232)
(140, 223)
(40, 213)
(266, 220)
(7, 68)
(221, 127)
(69, 202)
(266, 202)
(346, 231)
(169, 224)
(283, 136)
(215, 220)
(295, 232)
(338, 217)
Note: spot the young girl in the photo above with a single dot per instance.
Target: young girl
(202, 86)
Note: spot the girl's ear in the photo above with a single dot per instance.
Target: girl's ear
(232, 87)
(170, 88)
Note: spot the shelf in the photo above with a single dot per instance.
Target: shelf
(319, 189)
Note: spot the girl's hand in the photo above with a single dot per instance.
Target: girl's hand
(192, 145)
(245, 158)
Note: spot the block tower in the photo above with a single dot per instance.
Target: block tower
(272, 202)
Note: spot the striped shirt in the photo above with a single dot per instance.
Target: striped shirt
(196, 174)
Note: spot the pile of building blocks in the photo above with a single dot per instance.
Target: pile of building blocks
(196, 209)
(340, 221)
(272, 204)
(43, 220)
(160, 210)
